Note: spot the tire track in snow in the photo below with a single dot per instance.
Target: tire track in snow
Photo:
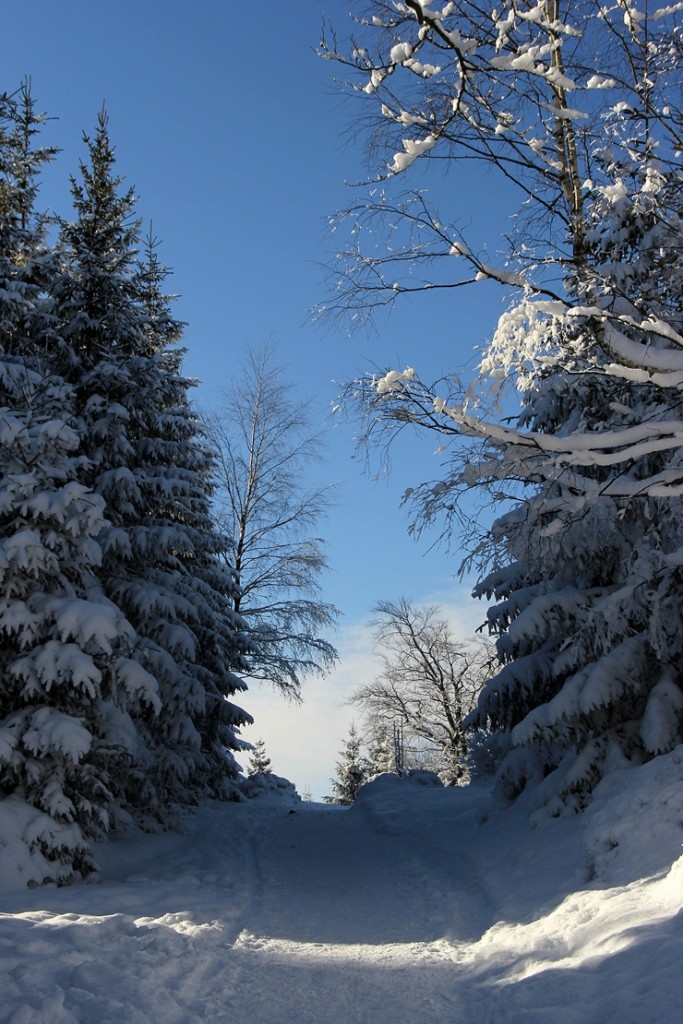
(349, 924)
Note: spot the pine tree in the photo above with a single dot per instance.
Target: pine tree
(588, 612)
(582, 115)
(145, 459)
(185, 469)
(352, 770)
(259, 762)
(25, 259)
(381, 749)
(119, 636)
(60, 634)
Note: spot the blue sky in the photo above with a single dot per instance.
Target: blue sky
(239, 145)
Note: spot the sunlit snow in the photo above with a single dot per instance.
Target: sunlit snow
(417, 904)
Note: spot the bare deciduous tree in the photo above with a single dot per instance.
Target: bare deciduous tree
(575, 108)
(267, 509)
(428, 682)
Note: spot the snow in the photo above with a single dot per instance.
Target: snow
(51, 731)
(54, 663)
(414, 148)
(487, 272)
(600, 82)
(664, 12)
(664, 707)
(87, 621)
(400, 52)
(393, 380)
(458, 249)
(418, 903)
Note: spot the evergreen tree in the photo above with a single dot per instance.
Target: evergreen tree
(259, 762)
(26, 262)
(381, 749)
(119, 636)
(184, 468)
(60, 635)
(578, 108)
(352, 770)
(145, 459)
(588, 612)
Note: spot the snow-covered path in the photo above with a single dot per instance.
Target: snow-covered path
(256, 915)
(329, 877)
(410, 906)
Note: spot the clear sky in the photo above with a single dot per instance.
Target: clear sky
(239, 145)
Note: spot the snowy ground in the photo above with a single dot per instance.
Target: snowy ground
(418, 904)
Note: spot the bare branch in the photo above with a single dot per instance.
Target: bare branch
(264, 446)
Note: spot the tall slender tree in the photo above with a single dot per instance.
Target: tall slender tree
(268, 512)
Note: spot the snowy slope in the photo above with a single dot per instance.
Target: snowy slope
(417, 904)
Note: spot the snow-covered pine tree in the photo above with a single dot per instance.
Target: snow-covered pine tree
(381, 748)
(578, 106)
(26, 261)
(185, 470)
(588, 611)
(259, 762)
(146, 460)
(352, 770)
(61, 637)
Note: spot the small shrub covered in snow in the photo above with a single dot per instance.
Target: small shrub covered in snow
(389, 782)
(269, 787)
